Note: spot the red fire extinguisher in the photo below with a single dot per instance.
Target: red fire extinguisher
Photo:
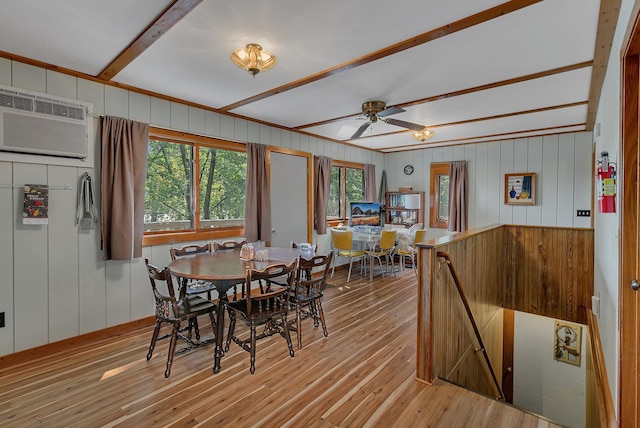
(606, 185)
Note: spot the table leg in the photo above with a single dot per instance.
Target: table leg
(219, 334)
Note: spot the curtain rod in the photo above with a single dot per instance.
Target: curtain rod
(92, 114)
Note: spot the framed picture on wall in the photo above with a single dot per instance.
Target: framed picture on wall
(520, 188)
(567, 342)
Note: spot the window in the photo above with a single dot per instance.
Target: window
(194, 184)
(347, 185)
(439, 196)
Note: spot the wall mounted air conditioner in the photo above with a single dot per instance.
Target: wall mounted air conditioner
(42, 124)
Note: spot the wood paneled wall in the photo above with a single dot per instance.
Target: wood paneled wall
(448, 334)
(548, 271)
(541, 270)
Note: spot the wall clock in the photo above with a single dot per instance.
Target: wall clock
(408, 169)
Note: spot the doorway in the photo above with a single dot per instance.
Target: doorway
(628, 298)
(290, 208)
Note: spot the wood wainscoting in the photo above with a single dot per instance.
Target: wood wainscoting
(548, 271)
(545, 271)
(446, 341)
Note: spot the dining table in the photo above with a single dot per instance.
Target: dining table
(224, 269)
(371, 237)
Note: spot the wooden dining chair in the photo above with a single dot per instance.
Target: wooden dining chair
(342, 244)
(174, 310)
(283, 280)
(306, 295)
(227, 246)
(313, 248)
(263, 308)
(384, 249)
(194, 286)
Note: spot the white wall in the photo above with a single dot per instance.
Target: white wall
(606, 269)
(541, 384)
(55, 284)
(563, 184)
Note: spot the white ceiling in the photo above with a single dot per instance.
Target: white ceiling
(492, 70)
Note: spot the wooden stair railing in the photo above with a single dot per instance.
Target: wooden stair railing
(456, 280)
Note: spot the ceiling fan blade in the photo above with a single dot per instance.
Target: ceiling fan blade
(389, 111)
(360, 131)
(403, 124)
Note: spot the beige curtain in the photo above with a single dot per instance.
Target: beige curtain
(122, 181)
(458, 196)
(370, 183)
(257, 207)
(323, 187)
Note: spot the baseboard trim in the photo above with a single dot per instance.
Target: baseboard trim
(606, 410)
(29, 355)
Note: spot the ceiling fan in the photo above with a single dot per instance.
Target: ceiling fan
(375, 110)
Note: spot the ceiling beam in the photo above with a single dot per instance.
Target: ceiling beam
(505, 115)
(445, 30)
(167, 19)
(506, 82)
(482, 119)
(607, 20)
(555, 130)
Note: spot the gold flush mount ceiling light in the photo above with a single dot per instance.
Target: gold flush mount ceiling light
(253, 58)
(423, 135)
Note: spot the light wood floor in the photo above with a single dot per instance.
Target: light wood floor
(361, 375)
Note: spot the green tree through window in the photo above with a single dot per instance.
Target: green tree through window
(439, 195)
(347, 185)
(168, 186)
(222, 185)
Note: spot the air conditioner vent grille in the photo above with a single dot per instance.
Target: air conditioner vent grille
(76, 113)
(44, 108)
(61, 110)
(6, 100)
(18, 103)
(42, 124)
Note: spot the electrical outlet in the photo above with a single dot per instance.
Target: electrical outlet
(583, 213)
(595, 305)
(2, 319)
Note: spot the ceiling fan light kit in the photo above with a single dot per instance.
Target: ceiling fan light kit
(253, 58)
(423, 135)
(374, 110)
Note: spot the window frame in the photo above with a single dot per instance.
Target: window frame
(193, 233)
(437, 170)
(333, 221)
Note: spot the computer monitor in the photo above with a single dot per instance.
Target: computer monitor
(365, 214)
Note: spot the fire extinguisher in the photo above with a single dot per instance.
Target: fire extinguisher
(606, 185)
